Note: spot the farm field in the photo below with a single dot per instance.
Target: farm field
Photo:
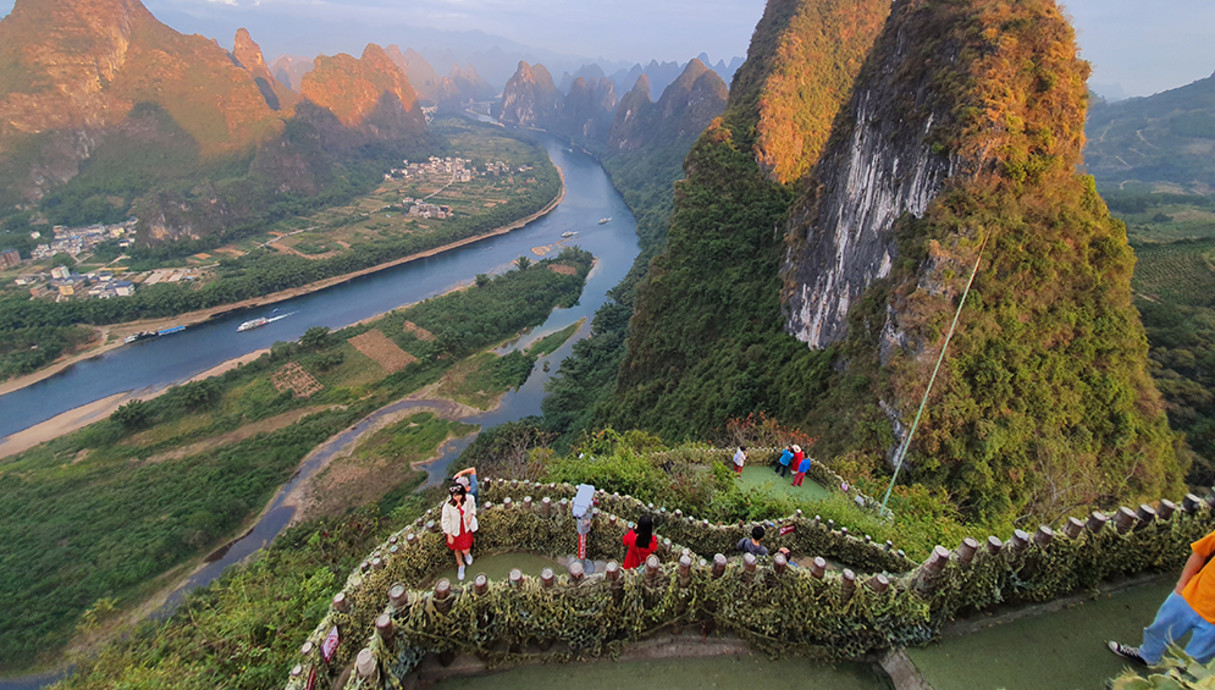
(105, 514)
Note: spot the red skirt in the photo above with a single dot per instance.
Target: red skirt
(463, 542)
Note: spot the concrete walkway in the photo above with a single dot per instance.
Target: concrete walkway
(1045, 649)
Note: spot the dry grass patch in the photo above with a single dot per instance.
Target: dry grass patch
(383, 351)
(418, 332)
(293, 377)
(563, 269)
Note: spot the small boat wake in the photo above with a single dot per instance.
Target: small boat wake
(261, 321)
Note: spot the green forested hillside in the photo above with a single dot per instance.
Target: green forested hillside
(1163, 141)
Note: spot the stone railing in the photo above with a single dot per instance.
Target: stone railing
(386, 626)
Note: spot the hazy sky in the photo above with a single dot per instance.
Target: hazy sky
(1141, 46)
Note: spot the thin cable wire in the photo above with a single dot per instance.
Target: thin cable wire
(898, 465)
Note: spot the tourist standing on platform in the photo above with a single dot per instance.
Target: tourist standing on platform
(803, 466)
(459, 521)
(468, 478)
(740, 457)
(641, 542)
(1190, 607)
(782, 465)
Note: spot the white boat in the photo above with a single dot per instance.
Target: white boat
(253, 323)
(605, 220)
(568, 233)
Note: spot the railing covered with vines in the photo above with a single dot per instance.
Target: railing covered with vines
(386, 627)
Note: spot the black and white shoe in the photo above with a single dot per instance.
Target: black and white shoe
(1127, 652)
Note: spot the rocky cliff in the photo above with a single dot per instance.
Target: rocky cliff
(73, 69)
(461, 85)
(248, 54)
(586, 111)
(707, 341)
(530, 99)
(684, 110)
(952, 151)
(369, 93)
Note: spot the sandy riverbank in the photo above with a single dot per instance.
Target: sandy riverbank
(97, 410)
(117, 332)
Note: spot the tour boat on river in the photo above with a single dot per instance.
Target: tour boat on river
(252, 323)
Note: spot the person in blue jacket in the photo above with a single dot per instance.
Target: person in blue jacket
(782, 466)
(468, 479)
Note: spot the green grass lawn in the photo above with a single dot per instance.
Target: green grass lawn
(762, 478)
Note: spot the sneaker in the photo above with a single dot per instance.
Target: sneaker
(460, 573)
(468, 558)
(1127, 652)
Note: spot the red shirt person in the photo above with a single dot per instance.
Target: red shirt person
(641, 542)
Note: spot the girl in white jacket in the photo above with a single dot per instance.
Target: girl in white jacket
(459, 521)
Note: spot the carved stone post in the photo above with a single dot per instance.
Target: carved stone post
(1072, 528)
(367, 667)
(384, 628)
(480, 584)
(847, 585)
(818, 567)
(1096, 521)
(879, 583)
(547, 578)
(1124, 519)
(719, 565)
(516, 577)
(1019, 541)
(546, 506)
(1191, 503)
(1166, 509)
(1146, 514)
(652, 567)
(576, 572)
(1043, 536)
(994, 545)
(966, 550)
(442, 596)
(926, 577)
(340, 603)
(685, 570)
(398, 595)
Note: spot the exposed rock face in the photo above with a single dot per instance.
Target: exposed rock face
(249, 55)
(686, 108)
(370, 93)
(461, 85)
(530, 99)
(961, 151)
(586, 113)
(74, 69)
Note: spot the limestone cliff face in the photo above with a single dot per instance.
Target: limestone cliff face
(684, 110)
(960, 148)
(248, 54)
(290, 69)
(884, 161)
(369, 93)
(530, 99)
(74, 69)
(461, 84)
(586, 112)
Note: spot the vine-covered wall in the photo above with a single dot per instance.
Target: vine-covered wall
(817, 608)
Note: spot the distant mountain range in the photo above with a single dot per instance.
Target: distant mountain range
(104, 108)
(1161, 142)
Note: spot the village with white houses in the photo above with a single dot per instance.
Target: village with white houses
(63, 283)
(459, 170)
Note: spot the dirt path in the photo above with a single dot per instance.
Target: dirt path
(118, 331)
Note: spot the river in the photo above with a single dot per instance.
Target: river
(159, 362)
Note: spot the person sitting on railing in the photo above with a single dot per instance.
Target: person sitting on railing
(752, 545)
(459, 521)
(641, 542)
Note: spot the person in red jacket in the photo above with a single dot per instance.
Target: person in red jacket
(641, 542)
